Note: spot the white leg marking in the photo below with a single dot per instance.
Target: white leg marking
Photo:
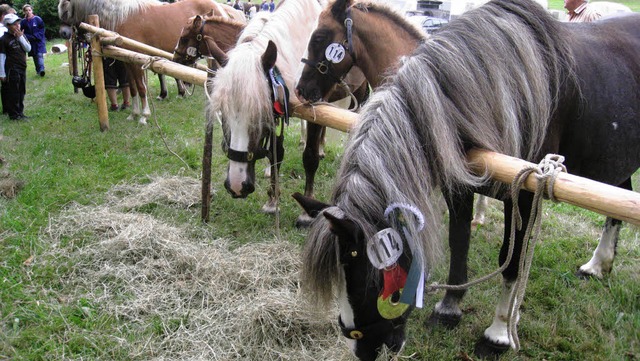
(498, 332)
(479, 210)
(602, 260)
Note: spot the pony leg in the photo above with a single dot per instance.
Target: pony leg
(480, 209)
(271, 206)
(144, 100)
(311, 161)
(135, 102)
(163, 87)
(447, 312)
(601, 262)
(495, 340)
(303, 133)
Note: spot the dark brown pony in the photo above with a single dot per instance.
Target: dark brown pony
(148, 21)
(208, 36)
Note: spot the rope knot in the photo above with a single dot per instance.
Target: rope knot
(547, 172)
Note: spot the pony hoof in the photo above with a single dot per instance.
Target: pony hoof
(476, 223)
(269, 208)
(303, 221)
(584, 275)
(161, 97)
(142, 121)
(487, 350)
(448, 321)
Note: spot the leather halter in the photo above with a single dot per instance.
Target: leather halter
(280, 115)
(323, 66)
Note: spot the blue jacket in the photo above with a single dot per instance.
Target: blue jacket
(34, 31)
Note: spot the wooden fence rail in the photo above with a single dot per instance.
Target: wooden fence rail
(582, 192)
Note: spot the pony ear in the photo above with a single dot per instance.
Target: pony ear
(344, 228)
(210, 13)
(197, 22)
(310, 205)
(270, 56)
(339, 9)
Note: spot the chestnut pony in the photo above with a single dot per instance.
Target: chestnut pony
(148, 21)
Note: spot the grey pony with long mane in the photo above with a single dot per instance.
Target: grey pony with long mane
(506, 77)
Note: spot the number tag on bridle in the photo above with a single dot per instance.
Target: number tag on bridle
(192, 51)
(335, 53)
(384, 248)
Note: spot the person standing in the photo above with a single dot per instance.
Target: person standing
(115, 76)
(33, 27)
(272, 6)
(264, 6)
(14, 47)
(580, 11)
(4, 10)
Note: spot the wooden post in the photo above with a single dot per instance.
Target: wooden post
(98, 76)
(206, 171)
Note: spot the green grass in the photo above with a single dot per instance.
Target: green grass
(63, 159)
(634, 5)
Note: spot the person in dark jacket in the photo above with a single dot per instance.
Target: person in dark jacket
(14, 47)
(33, 27)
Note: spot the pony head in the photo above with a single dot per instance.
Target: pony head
(246, 112)
(369, 273)
(330, 53)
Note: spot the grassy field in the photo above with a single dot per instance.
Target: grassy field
(66, 295)
(634, 5)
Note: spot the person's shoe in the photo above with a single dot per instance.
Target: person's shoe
(114, 107)
(42, 73)
(125, 105)
(22, 118)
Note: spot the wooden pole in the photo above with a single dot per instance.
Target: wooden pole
(158, 65)
(113, 38)
(582, 192)
(98, 76)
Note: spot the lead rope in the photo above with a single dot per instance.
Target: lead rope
(546, 173)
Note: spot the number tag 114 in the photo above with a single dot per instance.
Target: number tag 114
(384, 248)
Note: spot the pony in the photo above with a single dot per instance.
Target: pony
(250, 96)
(208, 36)
(506, 77)
(379, 38)
(138, 20)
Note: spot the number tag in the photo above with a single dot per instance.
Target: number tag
(384, 248)
(192, 51)
(334, 53)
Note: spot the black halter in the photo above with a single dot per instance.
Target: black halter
(325, 67)
(280, 111)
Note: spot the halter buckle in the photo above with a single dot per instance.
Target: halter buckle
(322, 67)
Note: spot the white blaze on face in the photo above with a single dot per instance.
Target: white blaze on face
(237, 173)
(346, 313)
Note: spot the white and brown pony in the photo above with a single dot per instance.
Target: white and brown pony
(250, 95)
(151, 22)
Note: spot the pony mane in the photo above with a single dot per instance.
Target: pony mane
(395, 17)
(239, 89)
(222, 20)
(110, 12)
(490, 79)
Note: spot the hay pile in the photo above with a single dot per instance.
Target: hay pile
(201, 298)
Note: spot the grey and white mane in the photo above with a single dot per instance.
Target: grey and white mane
(412, 135)
(110, 12)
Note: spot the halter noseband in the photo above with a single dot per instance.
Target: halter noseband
(324, 66)
(280, 115)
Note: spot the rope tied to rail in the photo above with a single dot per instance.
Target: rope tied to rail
(546, 173)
